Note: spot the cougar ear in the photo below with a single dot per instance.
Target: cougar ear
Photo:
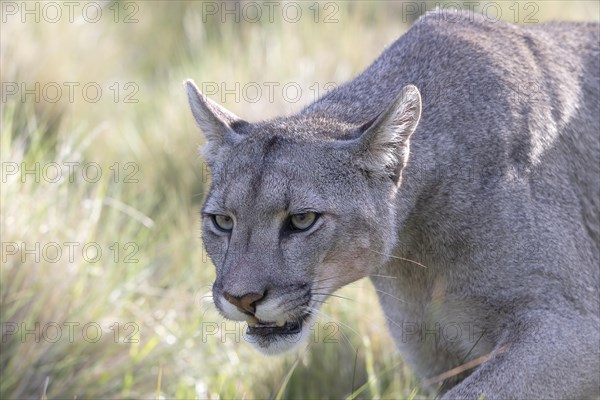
(383, 144)
(215, 121)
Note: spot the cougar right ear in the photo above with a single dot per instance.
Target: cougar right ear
(383, 145)
(214, 120)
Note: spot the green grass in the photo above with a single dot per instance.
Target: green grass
(153, 277)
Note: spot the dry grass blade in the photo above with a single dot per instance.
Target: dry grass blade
(464, 367)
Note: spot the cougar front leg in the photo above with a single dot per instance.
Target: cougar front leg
(544, 356)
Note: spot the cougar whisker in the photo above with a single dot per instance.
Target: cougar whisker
(400, 258)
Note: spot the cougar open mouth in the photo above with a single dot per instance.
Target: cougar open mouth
(279, 336)
(257, 327)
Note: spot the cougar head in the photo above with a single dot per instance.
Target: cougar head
(297, 208)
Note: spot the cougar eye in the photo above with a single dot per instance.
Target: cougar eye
(302, 222)
(223, 222)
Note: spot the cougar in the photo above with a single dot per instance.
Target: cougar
(460, 172)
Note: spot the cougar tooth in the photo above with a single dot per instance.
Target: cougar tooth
(252, 321)
(280, 323)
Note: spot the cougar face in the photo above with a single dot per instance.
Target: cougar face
(292, 213)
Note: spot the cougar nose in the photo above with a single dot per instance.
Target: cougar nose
(245, 303)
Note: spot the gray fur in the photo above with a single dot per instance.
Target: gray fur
(496, 192)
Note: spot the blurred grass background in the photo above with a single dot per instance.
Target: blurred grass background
(152, 272)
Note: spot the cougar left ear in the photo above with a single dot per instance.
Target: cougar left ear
(214, 120)
(383, 146)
